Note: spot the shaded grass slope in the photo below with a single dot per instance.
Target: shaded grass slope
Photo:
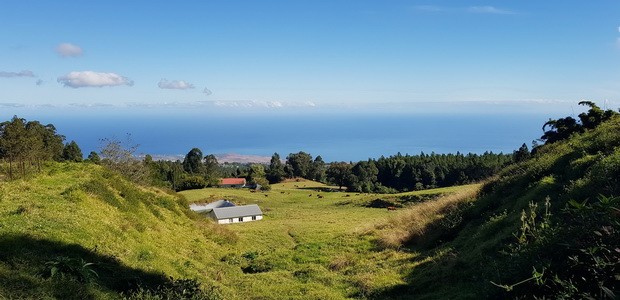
(547, 227)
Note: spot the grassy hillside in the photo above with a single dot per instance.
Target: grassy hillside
(547, 227)
(75, 214)
(78, 231)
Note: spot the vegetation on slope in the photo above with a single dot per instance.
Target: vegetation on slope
(545, 227)
(80, 231)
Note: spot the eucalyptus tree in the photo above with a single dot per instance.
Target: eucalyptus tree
(192, 163)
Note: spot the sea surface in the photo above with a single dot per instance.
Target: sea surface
(335, 136)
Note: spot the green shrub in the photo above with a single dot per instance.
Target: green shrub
(176, 289)
(75, 268)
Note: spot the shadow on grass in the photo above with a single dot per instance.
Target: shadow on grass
(24, 273)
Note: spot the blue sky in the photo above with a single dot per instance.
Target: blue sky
(307, 54)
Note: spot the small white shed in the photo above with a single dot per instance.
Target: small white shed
(236, 214)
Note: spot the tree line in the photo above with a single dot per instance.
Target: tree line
(25, 145)
(391, 174)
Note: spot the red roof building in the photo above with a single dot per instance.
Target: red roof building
(232, 182)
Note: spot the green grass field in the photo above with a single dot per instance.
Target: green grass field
(311, 247)
(306, 247)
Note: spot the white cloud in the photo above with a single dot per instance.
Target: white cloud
(429, 8)
(489, 10)
(175, 84)
(207, 91)
(69, 50)
(24, 73)
(78, 79)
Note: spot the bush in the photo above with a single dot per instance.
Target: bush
(191, 182)
(177, 289)
(71, 268)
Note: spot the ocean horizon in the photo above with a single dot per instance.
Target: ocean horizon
(334, 136)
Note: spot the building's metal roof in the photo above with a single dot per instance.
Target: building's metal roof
(236, 211)
(210, 206)
(232, 181)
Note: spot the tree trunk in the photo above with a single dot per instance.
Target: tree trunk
(10, 169)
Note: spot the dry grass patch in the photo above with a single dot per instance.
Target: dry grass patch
(414, 221)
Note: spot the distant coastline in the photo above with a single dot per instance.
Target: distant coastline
(221, 158)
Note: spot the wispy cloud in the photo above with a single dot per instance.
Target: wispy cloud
(429, 8)
(489, 10)
(91, 105)
(262, 104)
(39, 82)
(175, 84)
(11, 105)
(69, 50)
(207, 92)
(24, 73)
(78, 79)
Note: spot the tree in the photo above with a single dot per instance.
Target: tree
(276, 172)
(522, 154)
(53, 143)
(563, 128)
(299, 164)
(72, 152)
(119, 157)
(365, 176)
(192, 163)
(257, 176)
(339, 173)
(211, 170)
(93, 157)
(14, 142)
(317, 170)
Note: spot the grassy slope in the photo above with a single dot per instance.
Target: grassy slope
(481, 246)
(105, 219)
(306, 247)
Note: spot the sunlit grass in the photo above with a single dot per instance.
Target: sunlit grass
(312, 243)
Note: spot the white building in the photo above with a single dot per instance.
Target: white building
(236, 214)
(225, 212)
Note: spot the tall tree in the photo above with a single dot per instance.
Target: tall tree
(257, 175)
(276, 172)
(14, 143)
(72, 152)
(317, 170)
(211, 170)
(339, 173)
(522, 154)
(192, 163)
(365, 176)
(299, 164)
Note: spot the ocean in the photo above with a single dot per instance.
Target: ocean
(335, 136)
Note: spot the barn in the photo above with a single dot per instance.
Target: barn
(233, 182)
(236, 214)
